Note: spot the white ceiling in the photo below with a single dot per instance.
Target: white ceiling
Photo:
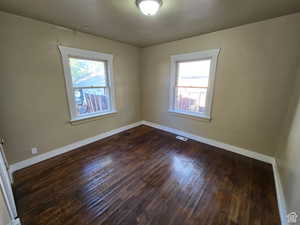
(121, 20)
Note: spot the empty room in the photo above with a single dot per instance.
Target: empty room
(150, 112)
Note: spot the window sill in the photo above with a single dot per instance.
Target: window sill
(92, 117)
(188, 115)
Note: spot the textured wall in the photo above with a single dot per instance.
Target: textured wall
(288, 153)
(34, 110)
(255, 72)
(256, 67)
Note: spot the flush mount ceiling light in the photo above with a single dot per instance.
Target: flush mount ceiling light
(149, 7)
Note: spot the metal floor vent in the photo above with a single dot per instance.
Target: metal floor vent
(182, 138)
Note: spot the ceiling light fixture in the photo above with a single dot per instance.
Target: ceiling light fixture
(149, 7)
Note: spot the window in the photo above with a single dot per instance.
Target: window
(192, 83)
(89, 82)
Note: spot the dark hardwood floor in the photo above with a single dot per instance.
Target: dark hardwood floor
(145, 176)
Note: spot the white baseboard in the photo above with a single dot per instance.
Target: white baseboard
(280, 195)
(28, 162)
(231, 148)
(238, 150)
(15, 222)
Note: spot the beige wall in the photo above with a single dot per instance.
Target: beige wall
(255, 72)
(288, 153)
(4, 216)
(254, 75)
(34, 110)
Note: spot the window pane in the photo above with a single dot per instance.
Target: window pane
(91, 100)
(190, 99)
(194, 73)
(87, 73)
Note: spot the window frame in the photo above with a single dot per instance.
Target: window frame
(66, 54)
(189, 57)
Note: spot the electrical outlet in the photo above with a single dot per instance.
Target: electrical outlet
(182, 138)
(34, 151)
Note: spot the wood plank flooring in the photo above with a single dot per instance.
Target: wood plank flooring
(145, 176)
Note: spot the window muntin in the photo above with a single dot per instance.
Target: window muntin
(193, 73)
(89, 82)
(91, 90)
(191, 86)
(192, 81)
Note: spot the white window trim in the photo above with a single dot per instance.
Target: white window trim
(66, 53)
(202, 55)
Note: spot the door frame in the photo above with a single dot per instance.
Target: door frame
(6, 187)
